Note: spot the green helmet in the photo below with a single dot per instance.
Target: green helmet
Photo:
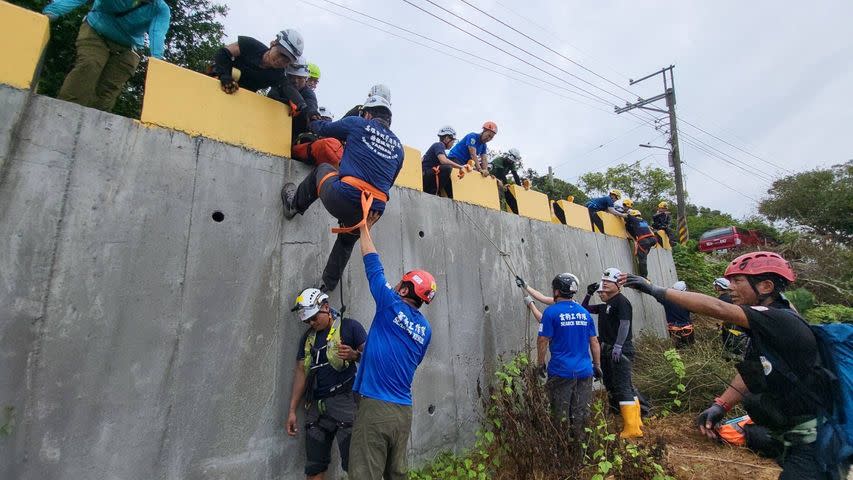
(313, 71)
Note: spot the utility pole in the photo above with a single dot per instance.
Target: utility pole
(674, 151)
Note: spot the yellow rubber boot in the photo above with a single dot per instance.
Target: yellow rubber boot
(639, 413)
(630, 420)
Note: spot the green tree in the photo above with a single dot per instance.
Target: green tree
(194, 36)
(820, 200)
(646, 186)
(555, 188)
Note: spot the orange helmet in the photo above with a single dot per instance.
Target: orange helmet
(491, 126)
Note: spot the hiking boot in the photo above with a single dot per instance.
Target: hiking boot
(288, 194)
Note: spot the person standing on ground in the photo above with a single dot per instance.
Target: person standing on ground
(777, 381)
(644, 239)
(396, 344)
(324, 374)
(617, 348)
(566, 330)
(110, 37)
(472, 147)
(435, 165)
(606, 203)
(372, 159)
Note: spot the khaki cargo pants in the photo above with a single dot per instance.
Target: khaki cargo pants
(101, 69)
(380, 440)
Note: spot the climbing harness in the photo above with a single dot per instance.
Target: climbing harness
(368, 194)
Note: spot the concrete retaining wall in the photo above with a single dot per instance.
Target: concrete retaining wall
(141, 339)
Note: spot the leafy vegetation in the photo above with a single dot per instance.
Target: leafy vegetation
(647, 186)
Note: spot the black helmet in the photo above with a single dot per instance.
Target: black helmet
(566, 284)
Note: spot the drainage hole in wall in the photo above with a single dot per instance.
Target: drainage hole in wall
(431, 409)
(522, 240)
(218, 216)
(486, 308)
(421, 234)
(587, 255)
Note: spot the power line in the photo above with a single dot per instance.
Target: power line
(735, 146)
(466, 60)
(466, 32)
(720, 183)
(552, 51)
(710, 150)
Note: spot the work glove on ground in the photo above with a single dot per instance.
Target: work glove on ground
(710, 418)
(616, 354)
(640, 283)
(592, 288)
(520, 282)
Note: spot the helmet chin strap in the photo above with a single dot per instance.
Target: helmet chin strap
(761, 297)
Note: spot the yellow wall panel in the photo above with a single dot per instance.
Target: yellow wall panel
(193, 103)
(613, 225)
(576, 215)
(24, 34)
(477, 189)
(531, 204)
(662, 236)
(410, 175)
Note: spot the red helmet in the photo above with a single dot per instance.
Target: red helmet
(423, 282)
(759, 263)
(491, 126)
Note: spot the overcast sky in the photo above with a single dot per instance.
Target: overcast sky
(772, 78)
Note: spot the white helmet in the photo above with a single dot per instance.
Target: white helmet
(299, 68)
(376, 101)
(611, 275)
(680, 286)
(723, 283)
(447, 130)
(292, 42)
(308, 303)
(382, 91)
(326, 113)
(514, 153)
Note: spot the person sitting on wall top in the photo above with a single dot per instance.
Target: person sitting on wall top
(502, 166)
(606, 203)
(250, 64)
(472, 147)
(107, 44)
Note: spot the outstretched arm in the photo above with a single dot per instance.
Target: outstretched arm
(539, 296)
(442, 159)
(532, 307)
(366, 241)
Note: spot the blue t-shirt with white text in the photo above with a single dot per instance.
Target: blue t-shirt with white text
(569, 326)
(396, 343)
(459, 153)
(372, 153)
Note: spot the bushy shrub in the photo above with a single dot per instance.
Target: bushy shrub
(830, 314)
(696, 268)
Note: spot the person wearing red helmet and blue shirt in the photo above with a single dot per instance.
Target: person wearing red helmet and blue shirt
(472, 147)
(778, 382)
(396, 344)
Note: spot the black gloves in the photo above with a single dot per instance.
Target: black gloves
(711, 417)
(520, 282)
(592, 288)
(639, 283)
(596, 372)
(542, 371)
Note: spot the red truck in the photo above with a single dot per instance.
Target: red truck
(728, 238)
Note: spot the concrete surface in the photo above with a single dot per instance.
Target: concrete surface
(140, 338)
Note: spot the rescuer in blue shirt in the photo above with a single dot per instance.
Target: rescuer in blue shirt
(473, 147)
(567, 330)
(372, 158)
(606, 203)
(396, 344)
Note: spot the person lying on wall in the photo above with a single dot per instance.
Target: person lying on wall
(250, 64)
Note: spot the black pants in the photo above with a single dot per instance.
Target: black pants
(341, 207)
(800, 463)
(644, 246)
(434, 186)
(617, 376)
(321, 429)
(570, 399)
(595, 220)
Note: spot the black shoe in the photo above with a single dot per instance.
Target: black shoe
(288, 194)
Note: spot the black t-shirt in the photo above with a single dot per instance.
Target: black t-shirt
(353, 335)
(430, 158)
(609, 315)
(779, 336)
(660, 220)
(252, 76)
